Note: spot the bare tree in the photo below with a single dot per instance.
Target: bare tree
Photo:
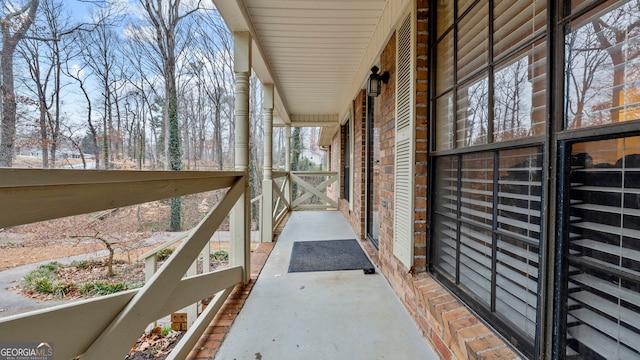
(587, 60)
(14, 24)
(43, 54)
(165, 16)
(216, 47)
(101, 54)
(613, 30)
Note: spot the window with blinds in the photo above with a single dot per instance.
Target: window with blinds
(603, 300)
(490, 91)
(490, 230)
(602, 213)
(487, 225)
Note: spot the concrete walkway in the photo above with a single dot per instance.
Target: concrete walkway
(321, 315)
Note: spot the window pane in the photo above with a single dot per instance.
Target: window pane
(487, 231)
(519, 217)
(473, 113)
(477, 188)
(476, 213)
(475, 261)
(447, 186)
(603, 67)
(520, 95)
(444, 16)
(446, 199)
(603, 319)
(444, 64)
(473, 41)
(516, 22)
(444, 122)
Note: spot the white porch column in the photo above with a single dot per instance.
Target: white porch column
(266, 228)
(287, 164)
(287, 156)
(240, 242)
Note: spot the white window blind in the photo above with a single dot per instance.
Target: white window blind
(487, 230)
(603, 301)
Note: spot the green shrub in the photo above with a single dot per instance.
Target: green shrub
(42, 285)
(164, 254)
(44, 280)
(166, 330)
(41, 279)
(220, 255)
(102, 288)
(61, 288)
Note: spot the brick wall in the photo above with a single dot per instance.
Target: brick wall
(356, 216)
(453, 330)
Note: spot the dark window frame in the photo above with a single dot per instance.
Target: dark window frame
(556, 143)
(346, 161)
(511, 335)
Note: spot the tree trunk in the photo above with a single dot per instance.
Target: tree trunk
(9, 43)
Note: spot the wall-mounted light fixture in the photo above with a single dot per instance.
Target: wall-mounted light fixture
(375, 81)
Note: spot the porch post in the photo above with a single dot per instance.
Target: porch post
(239, 244)
(287, 159)
(266, 228)
(287, 165)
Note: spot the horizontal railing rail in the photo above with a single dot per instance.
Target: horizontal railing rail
(107, 327)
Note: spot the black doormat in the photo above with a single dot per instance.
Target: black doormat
(328, 255)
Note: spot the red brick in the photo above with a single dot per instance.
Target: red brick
(440, 309)
(442, 349)
(502, 353)
(179, 317)
(211, 344)
(459, 323)
(451, 316)
(484, 343)
(469, 334)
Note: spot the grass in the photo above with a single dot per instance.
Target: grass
(45, 280)
(102, 288)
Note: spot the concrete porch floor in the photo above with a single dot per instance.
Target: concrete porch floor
(321, 315)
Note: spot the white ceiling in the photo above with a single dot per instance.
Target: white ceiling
(312, 51)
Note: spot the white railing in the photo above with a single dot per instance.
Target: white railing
(107, 327)
(311, 189)
(311, 194)
(281, 196)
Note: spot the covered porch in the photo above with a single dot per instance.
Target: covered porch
(336, 314)
(320, 315)
(313, 59)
